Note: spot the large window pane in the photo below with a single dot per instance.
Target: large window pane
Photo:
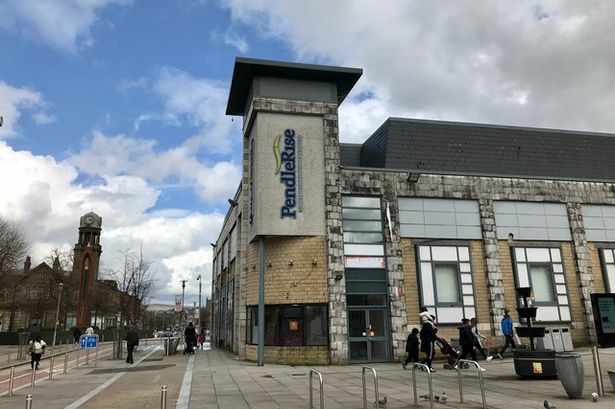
(542, 283)
(363, 225)
(292, 331)
(363, 238)
(361, 214)
(447, 284)
(354, 201)
(316, 325)
(272, 326)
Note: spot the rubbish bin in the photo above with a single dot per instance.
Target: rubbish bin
(571, 373)
(567, 339)
(558, 345)
(546, 342)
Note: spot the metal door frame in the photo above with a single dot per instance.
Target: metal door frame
(367, 339)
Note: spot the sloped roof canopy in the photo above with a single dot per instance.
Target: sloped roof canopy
(246, 69)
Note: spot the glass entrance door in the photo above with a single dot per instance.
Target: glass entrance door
(368, 335)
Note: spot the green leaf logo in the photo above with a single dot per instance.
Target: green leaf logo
(277, 153)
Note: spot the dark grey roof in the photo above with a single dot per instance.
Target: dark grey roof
(350, 154)
(246, 68)
(466, 148)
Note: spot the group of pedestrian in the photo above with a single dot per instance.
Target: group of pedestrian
(470, 339)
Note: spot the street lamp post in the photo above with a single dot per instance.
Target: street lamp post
(182, 314)
(55, 328)
(199, 314)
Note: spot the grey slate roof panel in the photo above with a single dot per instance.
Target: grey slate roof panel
(489, 149)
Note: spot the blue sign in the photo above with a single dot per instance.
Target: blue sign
(286, 167)
(88, 341)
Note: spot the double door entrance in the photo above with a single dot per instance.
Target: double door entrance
(368, 334)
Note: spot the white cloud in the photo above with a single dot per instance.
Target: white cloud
(12, 101)
(61, 24)
(536, 64)
(42, 118)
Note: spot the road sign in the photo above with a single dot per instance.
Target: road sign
(88, 341)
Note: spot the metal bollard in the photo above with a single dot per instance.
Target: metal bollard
(11, 380)
(429, 383)
(95, 355)
(321, 391)
(481, 382)
(51, 362)
(78, 353)
(377, 395)
(65, 362)
(87, 356)
(33, 377)
(29, 402)
(163, 397)
(598, 371)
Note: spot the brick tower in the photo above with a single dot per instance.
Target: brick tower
(86, 261)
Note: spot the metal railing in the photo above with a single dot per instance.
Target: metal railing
(429, 383)
(377, 395)
(322, 394)
(481, 382)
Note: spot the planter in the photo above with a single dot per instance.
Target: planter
(527, 332)
(571, 374)
(527, 312)
(535, 364)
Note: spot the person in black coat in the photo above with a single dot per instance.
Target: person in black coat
(412, 347)
(132, 340)
(190, 336)
(467, 340)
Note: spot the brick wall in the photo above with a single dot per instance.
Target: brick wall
(305, 355)
(299, 283)
(596, 266)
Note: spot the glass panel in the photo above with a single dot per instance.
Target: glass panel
(520, 254)
(367, 238)
(365, 274)
(354, 201)
(362, 225)
(427, 284)
(358, 351)
(555, 255)
(610, 277)
(559, 278)
(542, 283)
(441, 253)
(564, 313)
(522, 275)
(292, 312)
(464, 253)
(361, 287)
(316, 325)
(424, 253)
(557, 268)
(447, 284)
(468, 300)
(378, 351)
(272, 326)
(361, 214)
(366, 299)
(357, 326)
(538, 255)
(292, 331)
(465, 267)
(608, 255)
(466, 278)
(562, 300)
(561, 289)
(467, 289)
(377, 323)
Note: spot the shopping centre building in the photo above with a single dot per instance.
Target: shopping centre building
(354, 238)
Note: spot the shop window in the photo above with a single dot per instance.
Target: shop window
(446, 282)
(296, 325)
(542, 269)
(608, 269)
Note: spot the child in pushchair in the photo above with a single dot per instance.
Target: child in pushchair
(452, 355)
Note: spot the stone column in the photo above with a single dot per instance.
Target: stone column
(495, 281)
(583, 267)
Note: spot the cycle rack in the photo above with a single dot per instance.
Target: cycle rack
(481, 382)
(322, 396)
(426, 369)
(377, 395)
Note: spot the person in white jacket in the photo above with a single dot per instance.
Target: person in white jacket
(478, 339)
(36, 347)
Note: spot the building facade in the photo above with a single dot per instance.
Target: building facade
(354, 239)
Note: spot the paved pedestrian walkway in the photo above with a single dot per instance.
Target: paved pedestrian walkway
(221, 381)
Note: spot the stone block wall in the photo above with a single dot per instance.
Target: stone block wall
(291, 355)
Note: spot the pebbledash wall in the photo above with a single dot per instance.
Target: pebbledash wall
(374, 234)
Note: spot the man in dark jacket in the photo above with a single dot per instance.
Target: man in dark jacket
(466, 340)
(190, 335)
(412, 347)
(428, 338)
(132, 340)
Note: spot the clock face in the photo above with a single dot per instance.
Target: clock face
(89, 219)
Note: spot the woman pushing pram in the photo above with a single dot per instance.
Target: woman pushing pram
(190, 337)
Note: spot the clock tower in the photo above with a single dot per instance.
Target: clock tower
(86, 261)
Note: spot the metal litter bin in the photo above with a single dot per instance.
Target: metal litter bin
(567, 339)
(546, 342)
(571, 373)
(558, 345)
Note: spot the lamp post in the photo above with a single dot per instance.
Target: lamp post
(199, 313)
(181, 317)
(55, 328)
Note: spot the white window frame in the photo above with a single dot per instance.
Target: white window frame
(607, 264)
(447, 253)
(523, 257)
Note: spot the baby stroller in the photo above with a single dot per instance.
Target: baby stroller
(452, 355)
(189, 347)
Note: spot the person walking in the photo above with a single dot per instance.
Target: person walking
(89, 331)
(466, 340)
(76, 335)
(412, 347)
(190, 337)
(478, 341)
(132, 340)
(201, 338)
(428, 337)
(507, 330)
(36, 347)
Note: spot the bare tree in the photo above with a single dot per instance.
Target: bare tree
(14, 246)
(135, 281)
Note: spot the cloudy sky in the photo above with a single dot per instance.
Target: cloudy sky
(117, 106)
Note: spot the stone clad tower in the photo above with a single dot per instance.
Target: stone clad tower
(86, 262)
